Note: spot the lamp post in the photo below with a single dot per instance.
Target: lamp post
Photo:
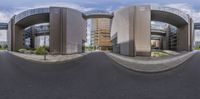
(45, 52)
(45, 56)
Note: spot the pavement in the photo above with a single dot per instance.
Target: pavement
(151, 64)
(49, 58)
(95, 76)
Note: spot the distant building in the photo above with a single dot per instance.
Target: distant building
(3, 44)
(100, 33)
(197, 44)
(36, 36)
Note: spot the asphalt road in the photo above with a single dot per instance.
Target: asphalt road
(95, 76)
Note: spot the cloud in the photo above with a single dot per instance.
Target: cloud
(4, 17)
(59, 4)
(188, 9)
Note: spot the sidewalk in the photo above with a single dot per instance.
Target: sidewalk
(147, 64)
(50, 58)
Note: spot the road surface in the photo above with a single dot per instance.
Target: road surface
(95, 76)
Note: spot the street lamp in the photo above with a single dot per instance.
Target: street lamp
(45, 56)
(45, 52)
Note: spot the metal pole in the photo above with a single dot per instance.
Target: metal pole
(45, 56)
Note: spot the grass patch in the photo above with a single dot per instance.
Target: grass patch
(2, 49)
(196, 48)
(159, 54)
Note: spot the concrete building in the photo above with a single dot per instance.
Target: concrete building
(197, 44)
(131, 29)
(3, 44)
(100, 33)
(67, 29)
(35, 36)
(163, 36)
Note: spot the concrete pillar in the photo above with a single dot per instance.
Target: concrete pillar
(67, 28)
(15, 36)
(55, 30)
(132, 27)
(183, 38)
(10, 34)
(142, 30)
(192, 31)
(18, 38)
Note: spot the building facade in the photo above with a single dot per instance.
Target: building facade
(67, 29)
(36, 36)
(100, 33)
(131, 30)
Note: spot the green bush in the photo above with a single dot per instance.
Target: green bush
(41, 51)
(196, 48)
(22, 50)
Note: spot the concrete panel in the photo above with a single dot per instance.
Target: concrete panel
(10, 35)
(18, 38)
(75, 29)
(183, 38)
(192, 31)
(132, 11)
(121, 27)
(142, 31)
(55, 30)
(67, 30)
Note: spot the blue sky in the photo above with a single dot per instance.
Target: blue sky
(10, 7)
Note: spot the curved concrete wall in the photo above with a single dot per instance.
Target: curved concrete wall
(30, 13)
(67, 28)
(173, 11)
(132, 25)
(132, 39)
(97, 14)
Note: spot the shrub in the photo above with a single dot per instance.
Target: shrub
(22, 50)
(41, 51)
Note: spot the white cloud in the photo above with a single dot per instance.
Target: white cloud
(4, 17)
(63, 4)
(188, 10)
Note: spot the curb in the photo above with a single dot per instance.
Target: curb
(150, 66)
(50, 62)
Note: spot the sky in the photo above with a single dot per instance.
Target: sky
(10, 7)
